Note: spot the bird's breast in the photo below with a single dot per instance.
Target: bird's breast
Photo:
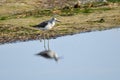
(50, 25)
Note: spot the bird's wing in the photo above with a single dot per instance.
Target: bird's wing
(41, 25)
(44, 54)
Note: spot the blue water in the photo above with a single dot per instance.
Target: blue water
(86, 56)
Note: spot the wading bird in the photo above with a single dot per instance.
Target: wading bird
(47, 25)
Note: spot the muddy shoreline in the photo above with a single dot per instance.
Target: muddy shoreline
(14, 30)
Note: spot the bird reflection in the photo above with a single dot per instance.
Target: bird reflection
(48, 54)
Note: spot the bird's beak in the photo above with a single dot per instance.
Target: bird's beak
(58, 21)
(57, 59)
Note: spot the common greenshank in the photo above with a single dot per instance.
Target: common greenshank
(47, 25)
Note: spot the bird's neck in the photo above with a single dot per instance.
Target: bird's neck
(52, 21)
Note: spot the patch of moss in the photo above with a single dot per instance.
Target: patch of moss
(87, 10)
(114, 0)
(74, 11)
(3, 17)
(103, 9)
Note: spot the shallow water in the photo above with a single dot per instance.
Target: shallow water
(88, 56)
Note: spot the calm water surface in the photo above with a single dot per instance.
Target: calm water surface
(88, 56)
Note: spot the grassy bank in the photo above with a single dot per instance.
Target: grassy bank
(18, 26)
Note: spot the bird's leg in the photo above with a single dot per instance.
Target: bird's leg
(44, 42)
(48, 45)
(39, 37)
(48, 41)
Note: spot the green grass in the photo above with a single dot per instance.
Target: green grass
(114, 0)
(74, 11)
(87, 10)
(40, 13)
(102, 9)
(48, 12)
(35, 13)
(3, 17)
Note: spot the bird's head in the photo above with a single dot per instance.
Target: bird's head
(57, 58)
(54, 19)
